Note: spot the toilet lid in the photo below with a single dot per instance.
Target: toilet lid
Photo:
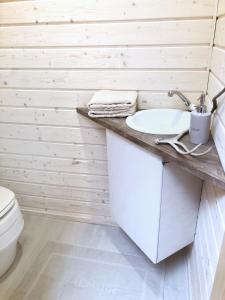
(7, 200)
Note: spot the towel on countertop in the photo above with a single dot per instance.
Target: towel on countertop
(112, 113)
(107, 103)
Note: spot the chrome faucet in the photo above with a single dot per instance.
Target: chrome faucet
(190, 106)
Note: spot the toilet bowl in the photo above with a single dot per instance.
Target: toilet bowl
(11, 226)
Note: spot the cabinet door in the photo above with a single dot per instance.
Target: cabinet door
(181, 194)
(135, 183)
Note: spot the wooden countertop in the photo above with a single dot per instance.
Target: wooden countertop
(206, 167)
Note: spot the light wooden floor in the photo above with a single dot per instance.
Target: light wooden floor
(62, 260)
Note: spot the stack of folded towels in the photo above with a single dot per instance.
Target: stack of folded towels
(108, 103)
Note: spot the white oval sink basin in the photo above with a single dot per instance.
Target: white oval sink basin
(160, 121)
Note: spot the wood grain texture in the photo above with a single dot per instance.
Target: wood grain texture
(71, 99)
(216, 84)
(204, 256)
(58, 178)
(207, 167)
(218, 291)
(67, 206)
(83, 135)
(54, 55)
(103, 58)
(52, 149)
(55, 191)
(218, 63)
(53, 116)
(44, 98)
(135, 33)
(220, 32)
(104, 79)
(66, 165)
(103, 10)
(221, 8)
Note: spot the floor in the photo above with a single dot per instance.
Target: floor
(63, 260)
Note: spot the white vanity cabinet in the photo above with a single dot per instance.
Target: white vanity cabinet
(154, 202)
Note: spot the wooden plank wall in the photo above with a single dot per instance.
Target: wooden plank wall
(205, 252)
(217, 81)
(54, 55)
(218, 292)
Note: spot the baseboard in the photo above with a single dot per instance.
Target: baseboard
(76, 217)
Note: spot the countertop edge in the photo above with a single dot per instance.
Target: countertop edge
(160, 150)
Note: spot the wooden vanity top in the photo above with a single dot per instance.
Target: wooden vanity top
(206, 167)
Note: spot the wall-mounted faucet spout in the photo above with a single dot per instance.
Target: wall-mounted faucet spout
(214, 100)
(187, 102)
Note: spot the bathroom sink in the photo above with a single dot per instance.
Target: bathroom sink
(160, 121)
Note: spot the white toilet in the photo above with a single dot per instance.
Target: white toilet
(11, 225)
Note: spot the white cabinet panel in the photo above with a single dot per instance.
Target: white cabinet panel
(181, 193)
(155, 203)
(135, 191)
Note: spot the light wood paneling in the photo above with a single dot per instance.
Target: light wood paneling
(64, 179)
(68, 206)
(70, 99)
(220, 32)
(205, 253)
(54, 116)
(103, 10)
(55, 191)
(103, 58)
(44, 98)
(218, 63)
(67, 165)
(218, 291)
(73, 135)
(217, 83)
(109, 34)
(221, 7)
(54, 55)
(110, 79)
(63, 150)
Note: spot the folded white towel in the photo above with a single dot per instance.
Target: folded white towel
(112, 99)
(112, 113)
(107, 103)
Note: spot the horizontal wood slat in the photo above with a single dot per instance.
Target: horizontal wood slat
(220, 32)
(72, 165)
(136, 33)
(72, 99)
(80, 135)
(77, 151)
(103, 58)
(221, 8)
(66, 205)
(218, 63)
(59, 178)
(44, 98)
(45, 190)
(55, 116)
(125, 80)
(73, 11)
